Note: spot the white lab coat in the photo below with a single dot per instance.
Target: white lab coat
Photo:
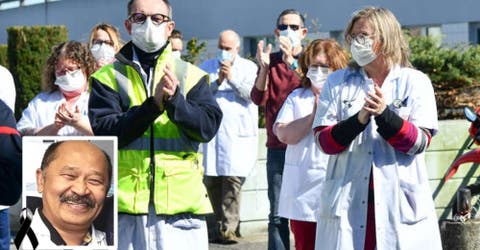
(233, 150)
(404, 210)
(42, 108)
(305, 164)
(99, 240)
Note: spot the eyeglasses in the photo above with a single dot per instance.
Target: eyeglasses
(360, 38)
(100, 42)
(294, 27)
(140, 18)
(70, 69)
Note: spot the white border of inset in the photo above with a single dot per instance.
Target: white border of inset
(32, 154)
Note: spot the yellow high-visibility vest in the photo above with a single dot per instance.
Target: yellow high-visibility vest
(177, 174)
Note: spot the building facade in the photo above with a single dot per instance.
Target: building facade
(455, 21)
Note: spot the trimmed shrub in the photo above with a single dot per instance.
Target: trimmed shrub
(3, 55)
(28, 49)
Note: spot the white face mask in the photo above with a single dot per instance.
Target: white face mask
(72, 81)
(292, 35)
(176, 54)
(223, 55)
(103, 52)
(148, 36)
(363, 53)
(317, 76)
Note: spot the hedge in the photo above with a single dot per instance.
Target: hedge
(28, 49)
(3, 55)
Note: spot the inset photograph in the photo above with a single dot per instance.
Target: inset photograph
(69, 193)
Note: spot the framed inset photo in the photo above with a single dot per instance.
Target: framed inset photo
(69, 183)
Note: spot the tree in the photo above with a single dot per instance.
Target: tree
(194, 49)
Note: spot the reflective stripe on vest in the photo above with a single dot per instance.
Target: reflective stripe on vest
(178, 172)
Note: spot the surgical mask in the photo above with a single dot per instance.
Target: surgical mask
(363, 53)
(318, 76)
(292, 35)
(176, 54)
(103, 52)
(71, 81)
(147, 36)
(223, 55)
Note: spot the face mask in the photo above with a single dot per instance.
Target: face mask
(176, 54)
(148, 36)
(292, 35)
(363, 53)
(103, 52)
(317, 76)
(71, 81)
(223, 55)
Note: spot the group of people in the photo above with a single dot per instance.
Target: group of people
(345, 140)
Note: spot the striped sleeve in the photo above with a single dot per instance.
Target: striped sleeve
(403, 135)
(336, 138)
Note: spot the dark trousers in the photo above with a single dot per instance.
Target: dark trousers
(278, 232)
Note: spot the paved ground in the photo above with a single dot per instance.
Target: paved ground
(252, 242)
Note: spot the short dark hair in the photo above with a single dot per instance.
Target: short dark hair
(51, 153)
(130, 3)
(294, 12)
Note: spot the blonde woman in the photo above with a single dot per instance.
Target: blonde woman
(104, 43)
(375, 119)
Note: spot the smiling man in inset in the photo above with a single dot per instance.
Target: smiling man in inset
(74, 178)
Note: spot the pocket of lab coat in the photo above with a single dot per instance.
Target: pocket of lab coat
(414, 200)
(335, 198)
(247, 127)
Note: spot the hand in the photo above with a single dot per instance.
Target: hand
(287, 50)
(64, 116)
(225, 71)
(263, 58)
(166, 87)
(375, 102)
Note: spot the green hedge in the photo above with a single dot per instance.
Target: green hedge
(3, 55)
(28, 49)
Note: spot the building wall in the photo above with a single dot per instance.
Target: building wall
(206, 18)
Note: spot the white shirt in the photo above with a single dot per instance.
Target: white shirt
(42, 108)
(233, 150)
(404, 210)
(305, 164)
(42, 233)
(7, 94)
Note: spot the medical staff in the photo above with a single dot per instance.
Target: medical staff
(305, 164)
(376, 119)
(61, 108)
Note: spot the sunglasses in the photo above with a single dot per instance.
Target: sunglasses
(140, 18)
(294, 27)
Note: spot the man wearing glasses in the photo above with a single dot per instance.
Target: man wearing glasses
(160, 108)
(275, 80)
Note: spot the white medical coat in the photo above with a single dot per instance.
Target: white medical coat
(99, 240)
(42, 108)
(405, 216)
(233, 150)
(305, 164)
